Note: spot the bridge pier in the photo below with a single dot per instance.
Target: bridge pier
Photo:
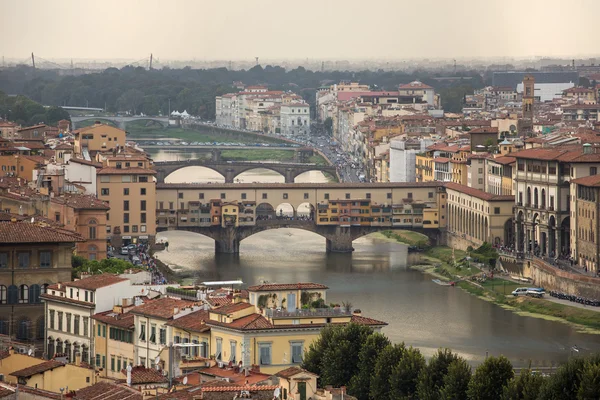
(227, 241)
(230, 175)
(290, 173)
(340, 241)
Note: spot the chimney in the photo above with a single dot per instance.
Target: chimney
(587, 148)
(129, 375)
(357, 312)
(175, 310)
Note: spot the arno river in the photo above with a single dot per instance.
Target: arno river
(376, 279)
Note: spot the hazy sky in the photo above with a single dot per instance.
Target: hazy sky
(278, 29)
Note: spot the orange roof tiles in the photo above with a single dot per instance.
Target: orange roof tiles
(107, 391)
(231, 308)
(480, 194)
(592, 181)
(37, 369)
(96, 281)
(292, 371)
(26, 232)
(255, 388)
(194, 321)
(122, 320)
(164, 307)
(141, 375)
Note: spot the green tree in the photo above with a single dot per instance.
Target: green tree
(526, 386)
(564, 384)
(431, 378)
(490, 378)
(55, 114)
(456, 380)
(131, 100)
(389, 357)
(360, 384)
(341, 360)
(313, 358)
(405, 374)
(95, 267)
(589, 387)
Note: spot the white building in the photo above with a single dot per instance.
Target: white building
(547, 91)
(295, 119)
(403, 156)
(418, 88)
(70, 306)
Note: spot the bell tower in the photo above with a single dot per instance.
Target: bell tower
(526, 121)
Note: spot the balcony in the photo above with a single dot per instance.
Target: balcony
(307, 313)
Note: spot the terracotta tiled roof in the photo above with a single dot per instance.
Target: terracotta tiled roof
(480, 194)
(107, 391)
(125, 171)
(85, 162)
(255, 388)
(64, 299)
(441, 160)
(249, 322)
(122, 320)
(231, 308)
(291, 371)
(415, 85)
(141, 375)
(194, 321)
(504, 160)
(285, 286)
(96, 281)
(582, 107)
(218, 301)
(37, 369)
(162, 308)
(360, 320)
(592, 181)
(82, 202)
(26, 232)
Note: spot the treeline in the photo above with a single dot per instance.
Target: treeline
(26, 112)
(95, 267)
(152, 92)
(372, 368)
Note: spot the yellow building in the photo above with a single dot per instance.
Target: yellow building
(424, 167)
(152, 334)
(275, 328)
(12, 361)
(476, 216)
(53, 375)
(98, 138)
(586, 197)
(127, 185)
(113, 341)
(230, 212)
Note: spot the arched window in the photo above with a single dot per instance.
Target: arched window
(3, 294)
(528, 196)
(23, 327)
(13, 294)
(23, 294)
(85, 353)
(34, 294)
(59, 346)
(51, 347)
(68, 350)
(92, 252)
(44, 288)
(535, 198)
(543, 199)
(92, 228)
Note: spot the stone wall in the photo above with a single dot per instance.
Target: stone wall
(551, 278)
(457, 242)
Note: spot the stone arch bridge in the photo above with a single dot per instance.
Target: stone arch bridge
(230, 169)
(338, 238)
(120, 122)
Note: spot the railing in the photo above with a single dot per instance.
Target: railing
(299, 313)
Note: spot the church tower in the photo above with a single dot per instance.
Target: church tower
(526, 122)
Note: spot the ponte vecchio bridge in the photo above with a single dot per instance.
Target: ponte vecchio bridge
(340, 212)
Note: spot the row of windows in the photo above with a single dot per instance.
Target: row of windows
(121, 335)
(11, 168)
(134, 228)
(285, 197)
(106, 192)
(69, 323)
(24, 259)
(22, 295)
(264, 352)
(126, 178)
(162, 334)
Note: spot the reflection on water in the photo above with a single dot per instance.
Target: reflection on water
(375, 278)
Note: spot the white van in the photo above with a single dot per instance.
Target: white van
(522, 291)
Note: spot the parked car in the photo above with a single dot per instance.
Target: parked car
(135, 260)
(536, 292)
(124, 251)
(522, 291)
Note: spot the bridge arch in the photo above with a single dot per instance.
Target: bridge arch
(218, 176)
(325, 173)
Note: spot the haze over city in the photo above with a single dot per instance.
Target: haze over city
(337, 29)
